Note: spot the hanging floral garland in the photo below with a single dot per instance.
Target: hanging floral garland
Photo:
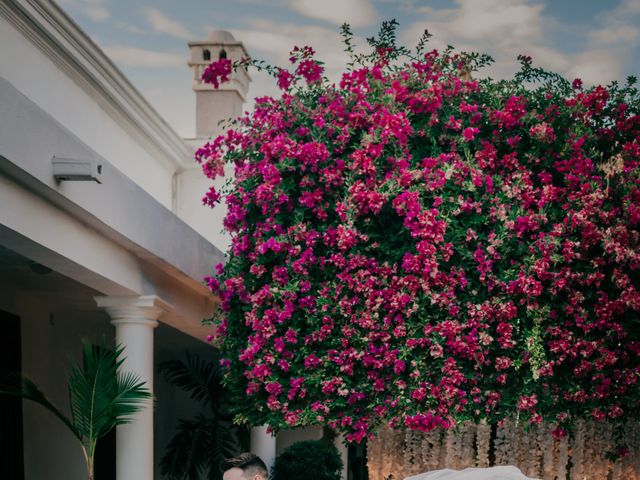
(581, 456)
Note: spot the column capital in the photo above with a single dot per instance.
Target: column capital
(145, 309)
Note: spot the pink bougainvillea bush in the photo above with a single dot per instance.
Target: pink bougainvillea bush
(418, 246)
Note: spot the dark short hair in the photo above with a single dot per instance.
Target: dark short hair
(247, 462)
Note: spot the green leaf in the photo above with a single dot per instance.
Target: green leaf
(199, 447)
(195, 376)
(185, 457)
(102, 398)
(131, 396)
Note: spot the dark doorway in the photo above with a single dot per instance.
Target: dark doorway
(11, 444)
(105, 461)
(358, 462)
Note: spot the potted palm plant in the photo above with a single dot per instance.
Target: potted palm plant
(100, 396)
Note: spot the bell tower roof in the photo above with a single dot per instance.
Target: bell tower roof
(220, 36)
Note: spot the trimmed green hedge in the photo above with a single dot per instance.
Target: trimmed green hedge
(308, 460)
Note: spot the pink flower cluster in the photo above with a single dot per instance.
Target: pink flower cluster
(419, 247)
(217, 72)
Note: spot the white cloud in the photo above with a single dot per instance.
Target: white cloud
(357, 13)
(620, 26)
(496, 19)
(274, 42)
(161, 23)
(500, 24)
(98, 13)
(424, 9)
(596, 66)
(629, 7)
(616, 35)
(129, 28)
(139, 57)
(266, 41)
(506, 28)
(403, 5)
(96, 10)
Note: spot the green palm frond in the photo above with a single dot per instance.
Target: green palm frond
(91, 390)
(224, 444)
(130, 396)
(102, 398)
(184, 459)
(200, 445)
(195, 375)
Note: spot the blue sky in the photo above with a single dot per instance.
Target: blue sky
(596, 40)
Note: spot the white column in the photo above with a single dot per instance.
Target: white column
(263, 444)
(343, 450)
(134, 319)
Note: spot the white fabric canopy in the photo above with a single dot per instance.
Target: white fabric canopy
(493, 473)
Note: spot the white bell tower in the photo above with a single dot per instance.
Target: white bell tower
(212, 107)
(225, 102)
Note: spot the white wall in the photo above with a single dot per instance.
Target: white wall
(46, 84)
(207, 221)
(214, 106)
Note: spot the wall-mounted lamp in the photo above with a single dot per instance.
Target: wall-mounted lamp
(39, 268)
(70, 169)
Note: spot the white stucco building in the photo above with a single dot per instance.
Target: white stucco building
(120, 259)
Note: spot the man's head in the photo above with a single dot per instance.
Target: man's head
(245, 466)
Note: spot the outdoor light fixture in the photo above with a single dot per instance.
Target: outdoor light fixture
(71, 169)
(39, 268)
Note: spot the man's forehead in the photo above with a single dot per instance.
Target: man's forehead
(233, 474)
